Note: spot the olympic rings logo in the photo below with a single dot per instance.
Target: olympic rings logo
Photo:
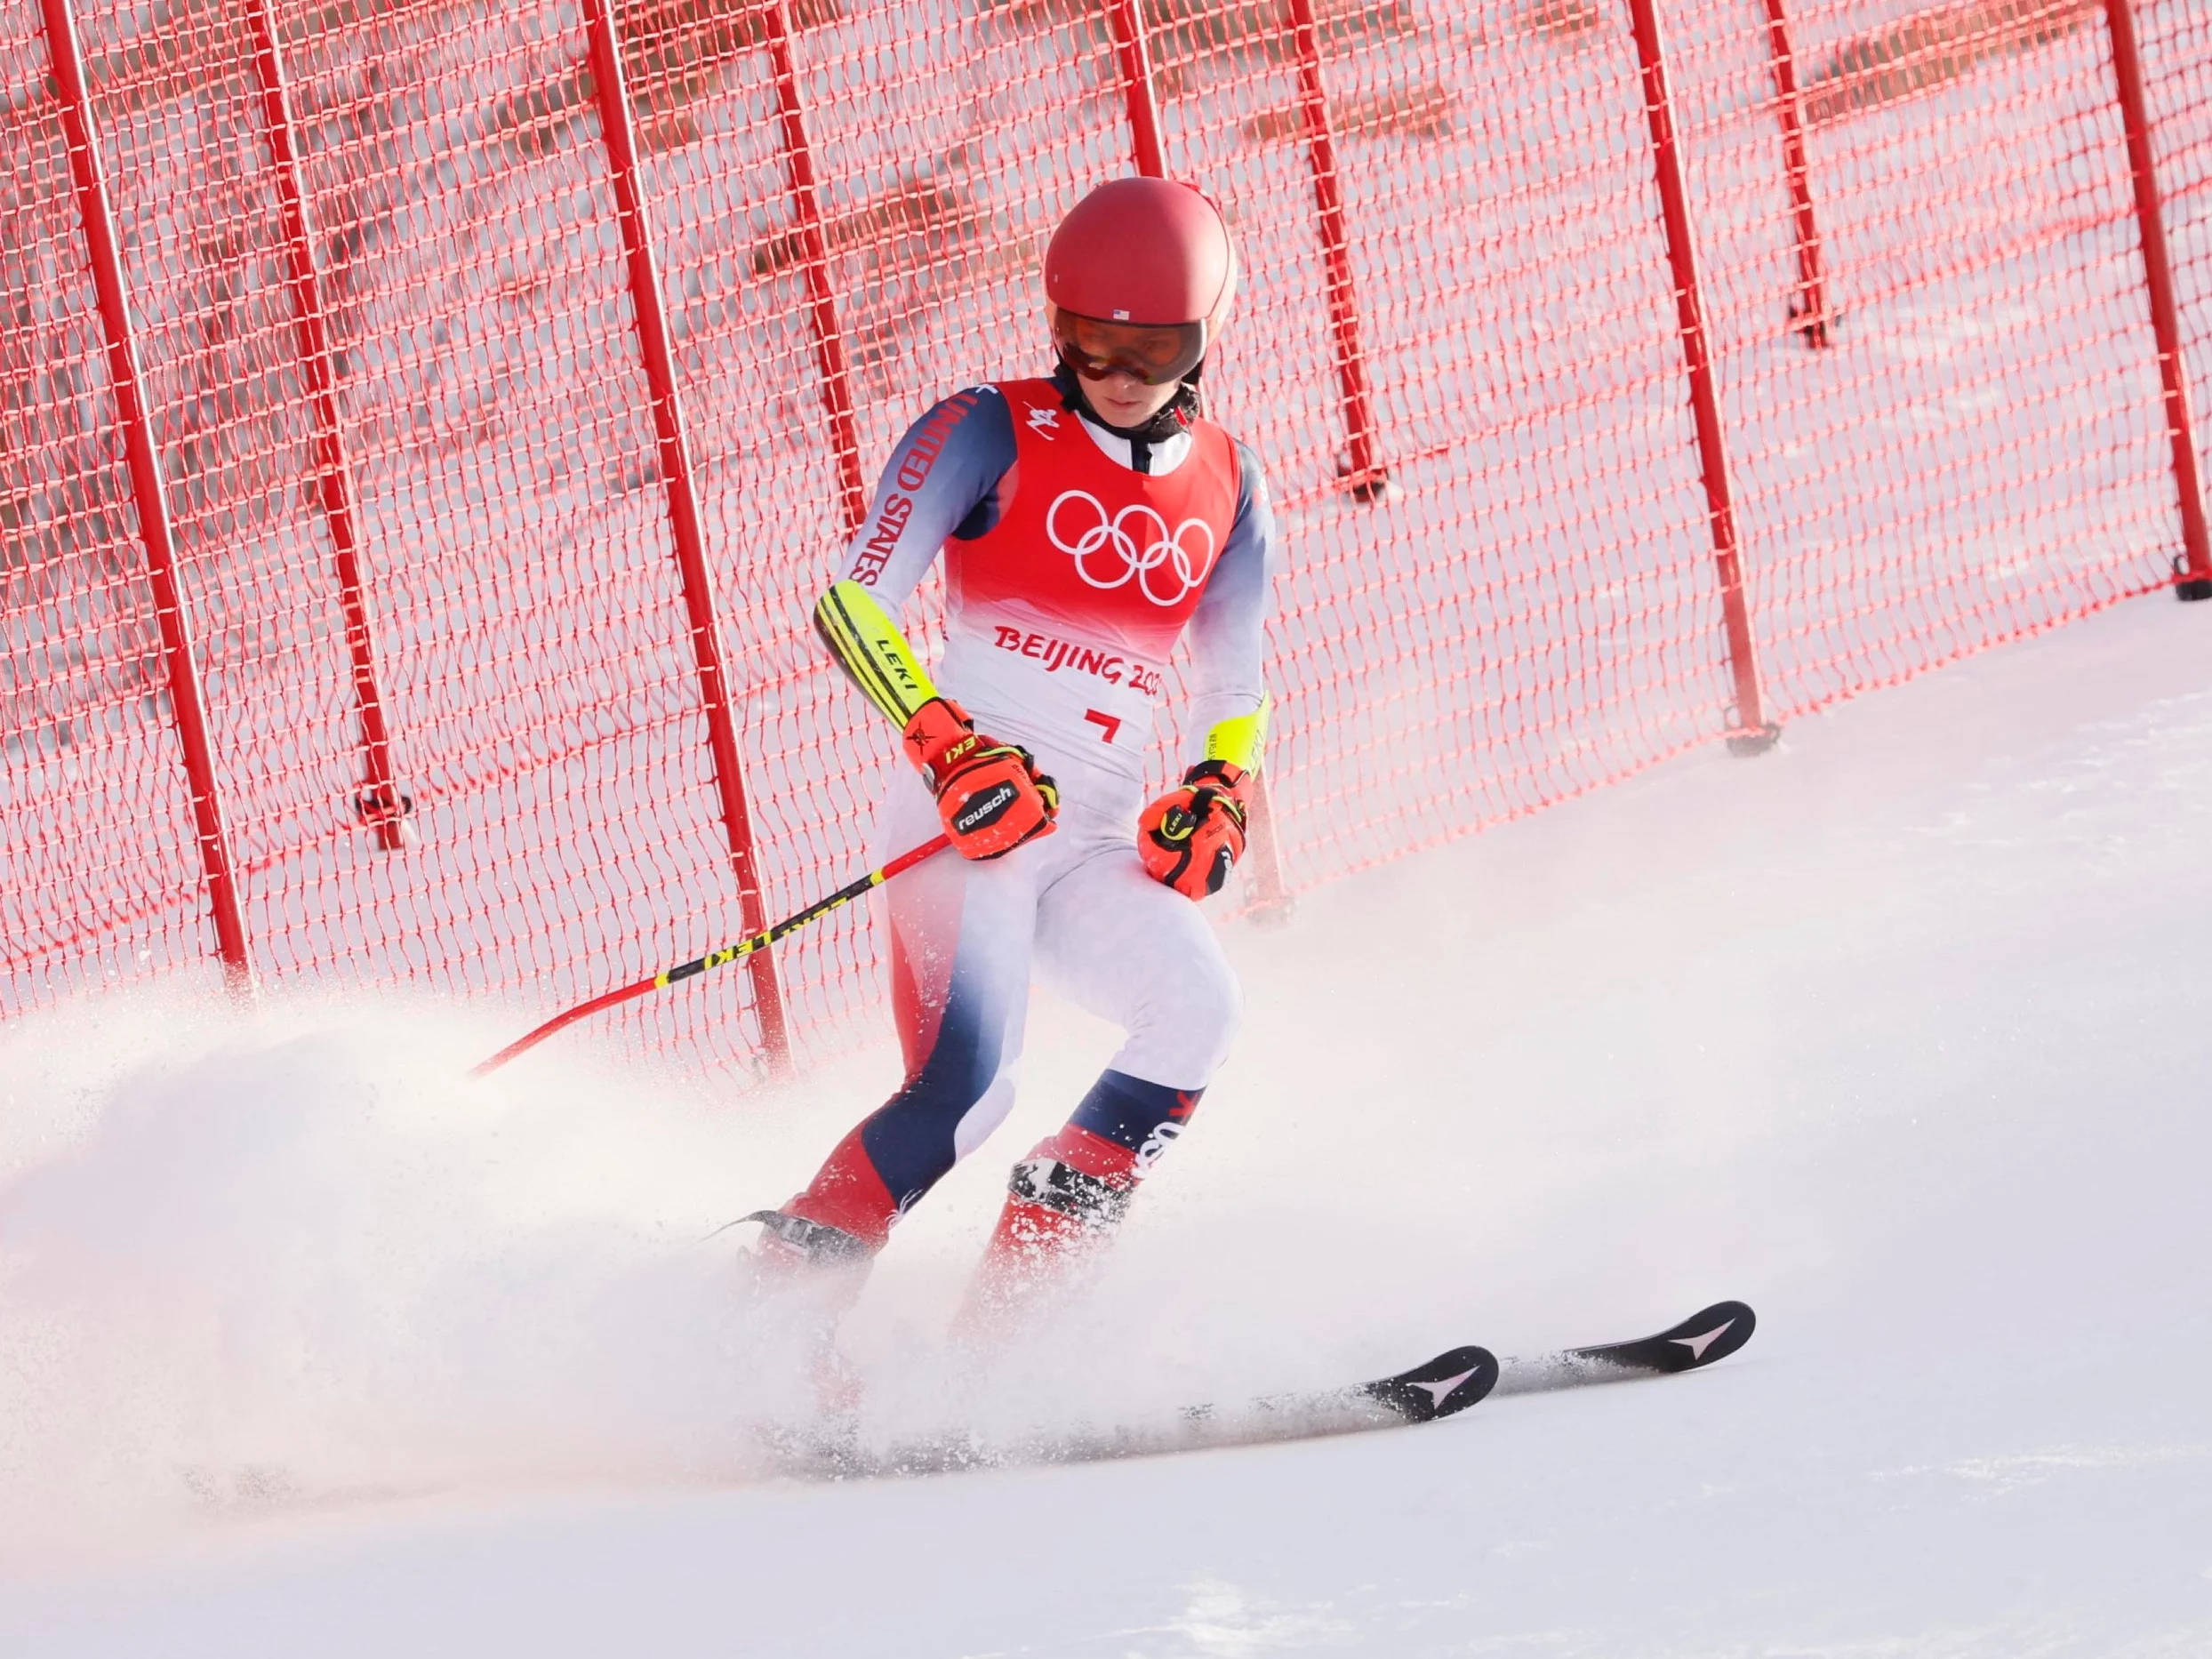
(1134, 544)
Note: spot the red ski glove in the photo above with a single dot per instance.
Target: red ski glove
(1190, 836)
(991, 795)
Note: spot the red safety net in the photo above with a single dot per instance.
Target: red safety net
(2177, 73)
(418, 461)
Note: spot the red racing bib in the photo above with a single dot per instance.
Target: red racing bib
(1066, 612)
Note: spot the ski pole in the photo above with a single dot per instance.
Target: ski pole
(723, 957)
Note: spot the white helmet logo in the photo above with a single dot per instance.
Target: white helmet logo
(1134, 543)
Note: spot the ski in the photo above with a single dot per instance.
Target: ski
(1443, 1387)
(1708, 1336)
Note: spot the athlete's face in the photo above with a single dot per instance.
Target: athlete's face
(1126, 400)
(1130, 370)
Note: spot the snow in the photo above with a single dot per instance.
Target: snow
(308, 1346)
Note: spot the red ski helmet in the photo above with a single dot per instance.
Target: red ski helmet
(1139, 277)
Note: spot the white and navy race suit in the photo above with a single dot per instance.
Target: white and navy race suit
(1075, 561)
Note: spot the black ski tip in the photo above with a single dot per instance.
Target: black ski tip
(1708, 1335)
(1450, 1382)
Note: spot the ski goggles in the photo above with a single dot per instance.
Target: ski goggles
(1154, 354)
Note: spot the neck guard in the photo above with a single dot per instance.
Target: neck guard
(1174, 418)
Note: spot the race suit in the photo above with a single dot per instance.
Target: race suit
(1075, 561)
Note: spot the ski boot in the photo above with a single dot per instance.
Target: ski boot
(1063, 1203)
(805, 1275)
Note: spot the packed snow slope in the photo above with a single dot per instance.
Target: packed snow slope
(309, 1347)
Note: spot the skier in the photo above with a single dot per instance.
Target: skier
(1089, 521)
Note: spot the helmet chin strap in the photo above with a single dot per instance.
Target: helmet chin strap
(1175, 416)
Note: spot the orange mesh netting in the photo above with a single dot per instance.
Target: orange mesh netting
(428, 474)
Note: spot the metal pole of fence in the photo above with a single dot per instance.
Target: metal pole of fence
(1270, 894)
(1364, 477)
(149, 494)
(684, 515)
(837, 379)
(1271, 899)
(1808, 310)
(2193, 572)
(1751, 733)
(1134, 53)
(381, 804)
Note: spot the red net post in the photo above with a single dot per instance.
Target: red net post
(1133, 55)
(382, 804)
(1364, 477)
(1267, 896)
(683, 507)
(148, 497)
(2193, 569)
(1808, 308)
(837, 379)
(1752, 733)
